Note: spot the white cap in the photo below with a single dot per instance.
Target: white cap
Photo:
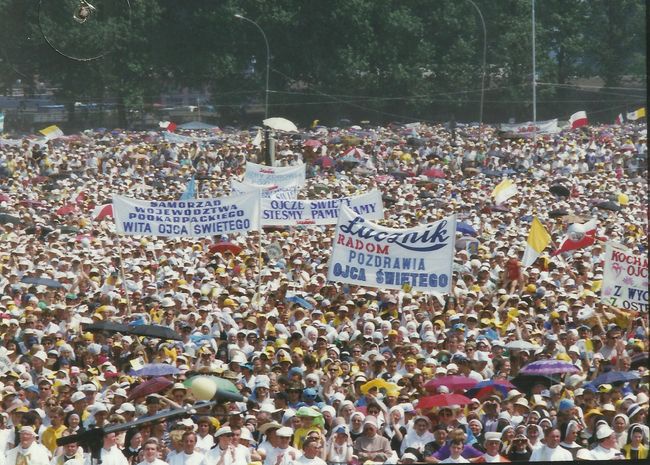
(284, 432)
(604, 432)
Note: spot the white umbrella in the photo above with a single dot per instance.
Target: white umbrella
(521, 345)
(280, 124)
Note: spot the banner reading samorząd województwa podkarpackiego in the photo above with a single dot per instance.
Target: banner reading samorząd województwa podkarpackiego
(285, 176)
(268, 192)
(625, 278)
(371, 255)
(186, 218)
(276, 212)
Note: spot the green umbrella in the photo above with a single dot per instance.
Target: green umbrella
(222, 384)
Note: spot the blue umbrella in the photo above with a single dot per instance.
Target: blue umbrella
(466, 229)
(156, 369)
(485, 386)
(612, 377)
(42, 282)
(300, 301)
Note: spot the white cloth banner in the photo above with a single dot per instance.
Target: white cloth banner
(371, 255)
(527, 129)
(277, 212)
(625, 278)
(186, 218)
(268, 192)
(181, 139)
(285, 176)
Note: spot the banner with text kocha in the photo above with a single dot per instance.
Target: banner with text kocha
(370, 255)
(625, 278)
(277, 212)
(267, 192)
(285, 176)
(186, 218)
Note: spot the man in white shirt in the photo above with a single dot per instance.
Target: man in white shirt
(606, 449)
(151, 451)
(551, 451)
(110, 454)
(311, 449)
(28, 450)
(283, 454)
(189, 455)
(225, 453)
(455, 449)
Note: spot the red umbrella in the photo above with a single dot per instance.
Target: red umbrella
(442, 400)
(66, 209)
(354, 152)
(5, 198)
(434, 173)
(454, 383)
(313, 143)
(225, 247)
(152, 386)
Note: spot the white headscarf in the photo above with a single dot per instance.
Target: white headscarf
(388, 427)
(415, 441)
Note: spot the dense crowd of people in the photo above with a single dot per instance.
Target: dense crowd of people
(332, 373)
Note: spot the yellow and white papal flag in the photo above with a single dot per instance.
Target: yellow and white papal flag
(504, 191)
(52, 132)
(538, 240)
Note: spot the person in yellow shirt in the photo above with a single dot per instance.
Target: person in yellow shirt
(55, 430)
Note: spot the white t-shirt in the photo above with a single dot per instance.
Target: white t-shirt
(600, 453)
(184, 459)
(546, 454)
(305, 461)
(460, 459)
(289, 455)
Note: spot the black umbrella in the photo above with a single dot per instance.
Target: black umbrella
(526, 382)
(7, 218)
(155, 331)
(41, 282)
(106, 326)
(557, 213)
(560, 190)
(609, 205)
(639, 360)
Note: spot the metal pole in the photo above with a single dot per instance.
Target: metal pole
(534, 78)
(268, 62)
(480, 15)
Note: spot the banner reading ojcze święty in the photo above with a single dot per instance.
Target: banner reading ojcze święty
(186, 218)
(284, 176)
(370, 255)
(276, 212)
(625, 278)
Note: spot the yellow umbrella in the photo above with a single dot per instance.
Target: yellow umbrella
(406, 157)
(377, 383)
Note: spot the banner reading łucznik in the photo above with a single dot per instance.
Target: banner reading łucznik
(625, 278)
(278, 212)
(370, 255)
(284, 176)
(186, 218)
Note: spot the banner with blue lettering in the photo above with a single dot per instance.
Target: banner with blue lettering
(285, 176)
(268, 192)
(277, 212)
(186, 218)
(371, 255)
(625, 278)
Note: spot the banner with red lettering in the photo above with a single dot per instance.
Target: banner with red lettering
(625, 278)
(371, 255)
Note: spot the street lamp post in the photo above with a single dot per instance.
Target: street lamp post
(267, 137)
(480, 15)
(268, 62)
